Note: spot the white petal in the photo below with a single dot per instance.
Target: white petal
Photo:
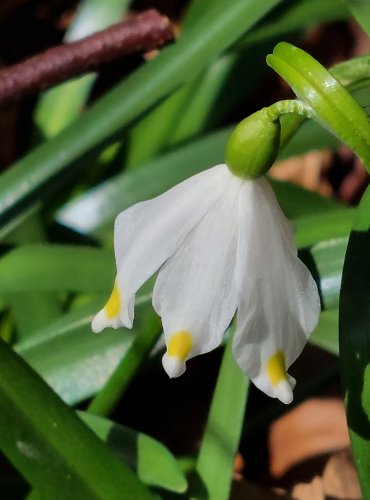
(279, 302)
(148, 233)
(195, 293)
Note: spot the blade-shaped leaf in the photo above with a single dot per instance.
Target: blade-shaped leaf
(297, 15)
(51, 446)
(42, 268)
(354, 340)
(312, 229)
(329, 259)
(75, 362)
(152, 461)
(360, 9)
(223, 431)
(110, 394)
(326, 333)
(330, 104)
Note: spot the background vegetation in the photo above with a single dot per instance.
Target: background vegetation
(94, 416)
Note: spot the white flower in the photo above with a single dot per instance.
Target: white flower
(222, 244)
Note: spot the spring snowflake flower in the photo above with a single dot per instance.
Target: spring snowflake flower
(222, 245)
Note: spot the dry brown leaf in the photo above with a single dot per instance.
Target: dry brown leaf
(309, 491)
(338, 481)
(340, 478)
(306, 170)
(314, 427)
(246, 490)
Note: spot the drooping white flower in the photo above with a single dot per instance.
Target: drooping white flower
(221, 244)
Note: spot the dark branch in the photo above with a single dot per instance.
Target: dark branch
(138, 33)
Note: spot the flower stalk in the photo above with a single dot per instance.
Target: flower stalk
(332, 106)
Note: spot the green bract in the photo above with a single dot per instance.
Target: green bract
(253, 146)
(331, 104)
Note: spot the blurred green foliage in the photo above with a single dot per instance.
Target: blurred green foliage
(167, 120)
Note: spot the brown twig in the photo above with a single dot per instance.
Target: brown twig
(141, 32)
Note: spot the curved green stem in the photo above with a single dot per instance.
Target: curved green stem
(288, 106)
(331, 104)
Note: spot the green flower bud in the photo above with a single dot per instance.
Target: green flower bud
(253, 145)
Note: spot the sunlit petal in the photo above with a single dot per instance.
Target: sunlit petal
(195, 293)
(279, 303)
(148, 233)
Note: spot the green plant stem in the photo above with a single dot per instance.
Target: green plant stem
(106, 400)
(289, 106)
(224, 426)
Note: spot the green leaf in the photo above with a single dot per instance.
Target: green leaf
(108, 397)
(50, 445)
(151, 461)
(198, 8)
(326, 333)
(331, 224)
(213, 95)
(204, 100)
(296, 16)
(9, 232)
(360, 9)
(224, 425)
(32, 311)
(42, 268)
(331, 104)
(75, 362)
(76, 366)
(217, 92)
(352, 71)
(155, 129)
(354, 340)
(329, 257)
(66, 324)
(207, 38)
(188, 110)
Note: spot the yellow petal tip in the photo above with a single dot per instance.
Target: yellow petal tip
(113, 306)
(275, 368)
(180, 345)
